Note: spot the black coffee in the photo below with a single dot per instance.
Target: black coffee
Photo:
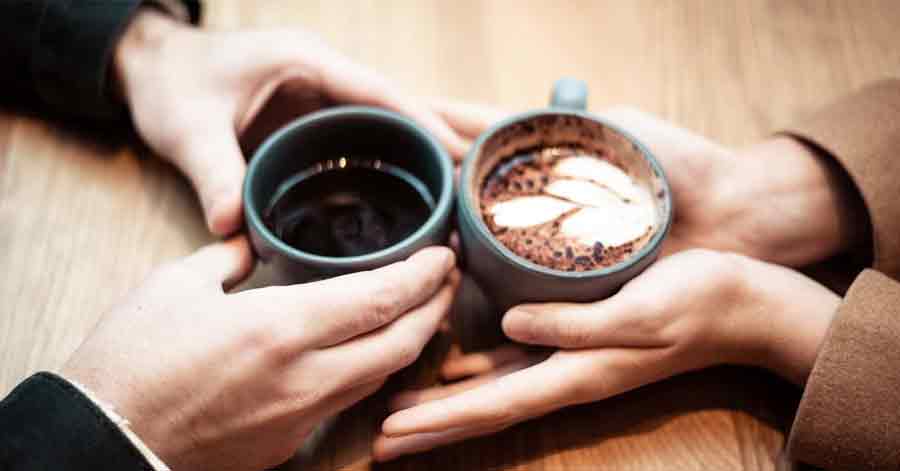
(344, 208)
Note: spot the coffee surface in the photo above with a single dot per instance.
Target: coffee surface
(566, 208)
(343, 208)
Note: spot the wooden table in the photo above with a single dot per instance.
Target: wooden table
(85, 215)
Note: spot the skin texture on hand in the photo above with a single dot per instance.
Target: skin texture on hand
(733, 310)
(195, 95)
(216, 381)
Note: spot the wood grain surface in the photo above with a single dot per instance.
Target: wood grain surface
(86, 213)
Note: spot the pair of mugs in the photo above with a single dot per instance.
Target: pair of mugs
(507, 278)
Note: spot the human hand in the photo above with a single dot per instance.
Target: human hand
(220, 381)
(777, 200)
(194, 93)
(689, 311)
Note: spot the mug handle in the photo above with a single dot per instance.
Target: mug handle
(569, 93)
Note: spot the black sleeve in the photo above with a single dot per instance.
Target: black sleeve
(58, 52)
(47, 424)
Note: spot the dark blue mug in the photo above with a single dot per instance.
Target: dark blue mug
(509, 279)
(348, 130)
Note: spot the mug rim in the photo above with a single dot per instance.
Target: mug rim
(441, 210)
(466, 202)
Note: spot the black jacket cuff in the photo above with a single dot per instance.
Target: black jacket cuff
(74, 48)
(46, 423)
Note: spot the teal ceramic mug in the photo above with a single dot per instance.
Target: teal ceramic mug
(330, 134)
(509, 279)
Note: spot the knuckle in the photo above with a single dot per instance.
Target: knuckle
(503, 414)
(572, 336)
(723, 271)
(384, 303)
(308, 399)
(596, 384)
(273, 344)
(650, 324)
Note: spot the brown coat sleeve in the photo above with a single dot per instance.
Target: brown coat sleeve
(849, 416)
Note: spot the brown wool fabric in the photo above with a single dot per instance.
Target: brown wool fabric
(849, 417)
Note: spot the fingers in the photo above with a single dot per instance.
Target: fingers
(469, 120)
(392, 348)
(226, 262)
(408, 399)
(344, 81)
(614, 322)
(329, 312)
(564, 379)
(213, 162)
(348, 82)
(482, 362)
(512, 398)
(387, 448)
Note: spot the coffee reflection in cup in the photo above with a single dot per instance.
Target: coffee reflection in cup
(346, 189)
(348, 207)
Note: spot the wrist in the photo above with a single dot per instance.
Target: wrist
(792, 205)
(786, 318)
(139, 48)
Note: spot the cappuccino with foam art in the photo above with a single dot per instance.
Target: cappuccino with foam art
(567, 208)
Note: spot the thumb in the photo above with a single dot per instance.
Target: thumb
(213, 163)
(226, 262)
(614, 322)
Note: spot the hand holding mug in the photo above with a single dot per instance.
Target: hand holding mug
(210, 380)
(192, 93)
(732, 310)
(778, 200)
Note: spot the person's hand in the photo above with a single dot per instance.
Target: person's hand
(194, 93)
(220, 381)
(689, 311)
(778, 200)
